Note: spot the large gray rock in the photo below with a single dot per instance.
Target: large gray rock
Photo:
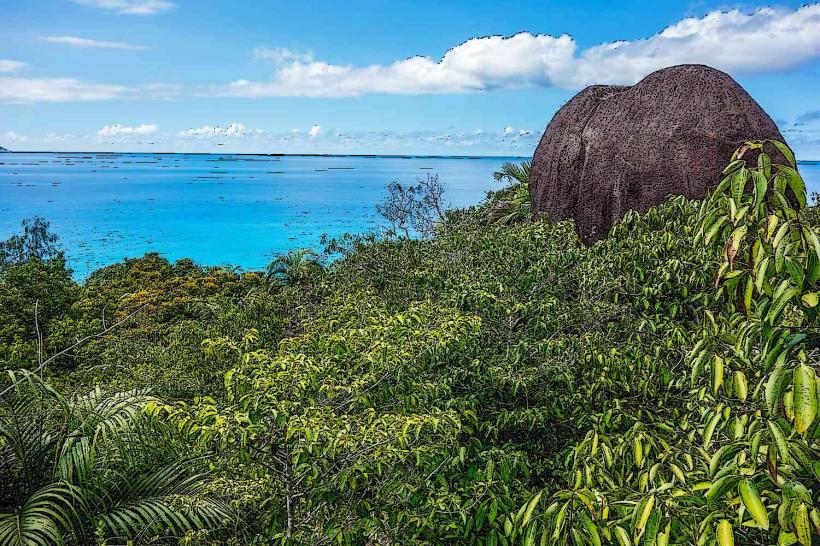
(614, 148)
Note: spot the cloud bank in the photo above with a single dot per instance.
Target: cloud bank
(76, 41)
(737, 42)
(210, 138)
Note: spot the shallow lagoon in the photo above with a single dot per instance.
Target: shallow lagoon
(217, 209)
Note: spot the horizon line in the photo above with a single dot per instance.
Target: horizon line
(430, 156)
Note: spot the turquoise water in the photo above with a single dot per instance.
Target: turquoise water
(219, 209)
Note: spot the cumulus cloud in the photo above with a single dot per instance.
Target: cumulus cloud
(282, 55)
(129, 7)
(9, 66)
(315, 131)
(56, 90)
(208, 131)
(117, 130)
(76, 41)
(738, 42)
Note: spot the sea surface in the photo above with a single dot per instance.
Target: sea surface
(237, 210)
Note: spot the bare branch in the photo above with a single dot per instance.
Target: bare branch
(98, 335)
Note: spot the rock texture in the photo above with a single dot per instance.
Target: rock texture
(613, 148)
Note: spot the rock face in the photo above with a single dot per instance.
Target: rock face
(614, 148)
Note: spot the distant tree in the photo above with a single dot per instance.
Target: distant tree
(416, 209)
(36, 242)
(293, 268)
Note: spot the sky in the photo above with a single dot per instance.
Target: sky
(371, 77)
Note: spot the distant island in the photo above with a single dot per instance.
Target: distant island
(4, 150)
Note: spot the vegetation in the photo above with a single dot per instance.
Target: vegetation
(415, 210)
(492, 382)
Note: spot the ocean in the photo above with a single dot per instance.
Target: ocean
(237, 210)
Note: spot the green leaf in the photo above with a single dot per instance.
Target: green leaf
(530, 507)
(780, 441)
(725, 535)
(717, 373)
(751, 499)
(805, 398)
(786, 151)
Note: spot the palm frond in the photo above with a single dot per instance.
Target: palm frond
(96, 417)
(514, 172)
(169, 498)
(293, 267)
(46, 518)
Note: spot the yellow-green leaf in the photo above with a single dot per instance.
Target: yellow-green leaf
(805, 398)
(648, 505)
(622, 536)
(725, 535)
(530, 507)
(751, 499)
(717, 373)
(800, 521)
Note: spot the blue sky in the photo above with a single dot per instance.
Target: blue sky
(477, 77)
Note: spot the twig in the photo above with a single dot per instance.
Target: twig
(39, 335)
(99, 334)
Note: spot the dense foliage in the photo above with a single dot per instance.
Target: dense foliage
(495, 382)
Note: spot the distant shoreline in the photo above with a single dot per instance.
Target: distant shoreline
(385, 156)
(371, 156)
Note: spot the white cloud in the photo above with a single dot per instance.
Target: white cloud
(16, 137)
(27, 90)
(512, 134)
(56, 90)
(129, 7)
(741, 43)
(7, 65)
(208, 131)
(126, 130)
(315, 131)
(76, 41)
(282, 55)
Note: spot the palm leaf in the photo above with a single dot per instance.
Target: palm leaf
(169, 498)
(50, 513)
(514, 172)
